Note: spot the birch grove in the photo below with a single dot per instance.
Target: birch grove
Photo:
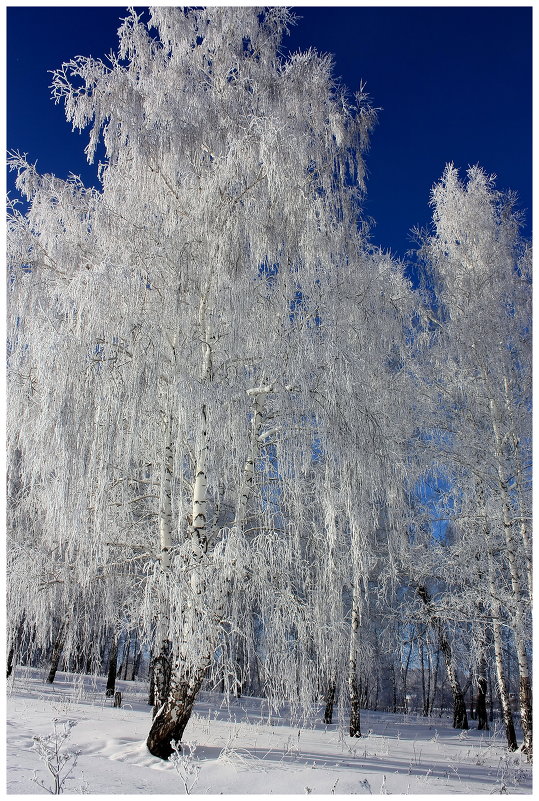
(225, 403)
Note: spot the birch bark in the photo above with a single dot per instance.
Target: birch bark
(517, 600)
(353, 689)
(503, 689)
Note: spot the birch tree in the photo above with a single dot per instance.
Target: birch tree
(480, 371)
(178, 326)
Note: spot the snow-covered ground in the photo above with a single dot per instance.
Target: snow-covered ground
(245, 748)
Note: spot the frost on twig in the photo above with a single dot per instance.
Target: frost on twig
(58, 762)
(186, 764)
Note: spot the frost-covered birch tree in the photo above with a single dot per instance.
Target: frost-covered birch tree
(173, 334)
(479, 368)
(365, 475)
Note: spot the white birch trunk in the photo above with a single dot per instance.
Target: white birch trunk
(259, 395)
(186, 680)
(496, 613)
(507, 713)
(187, 674)
(165, 500)
(353, 690)
(519, 478)
(199, 511)
(517, 594)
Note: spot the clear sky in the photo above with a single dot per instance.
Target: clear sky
(453, 83)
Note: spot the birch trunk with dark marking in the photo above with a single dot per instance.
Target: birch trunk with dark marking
(353, 688)
(165, 496)
(170, 722)
(161, 674)
(259, 396)
(176, 683)
(161, 663)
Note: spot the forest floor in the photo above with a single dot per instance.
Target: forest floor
(243, 747)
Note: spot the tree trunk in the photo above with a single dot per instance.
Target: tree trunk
(434, 681)
(491, 699)
(176, 691)
(136, 660)
(460, 717)
(113, 658)
(394, 677)
(424, 695)
(15, 647)
(161, 670)
(525, 698)
(171, 719)
(507, 713)
(355, 717)
(481, 700)
(519, 483)
(90, 660)
(442, 696)
(405, 674)
(236, 660)
(10, 655)
(57, 651)
(151, 689)
(165, 496)
(473, 713)
(505, 702)
(503, 691)
(330, 700)
(353, 690)
(127, 652)
(525, 702)
(376, 694)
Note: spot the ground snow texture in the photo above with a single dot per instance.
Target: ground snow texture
(243, 747)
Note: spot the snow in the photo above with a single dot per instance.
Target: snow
(243, 747)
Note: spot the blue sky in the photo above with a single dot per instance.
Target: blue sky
(453, 83)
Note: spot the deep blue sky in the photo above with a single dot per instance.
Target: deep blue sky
(454, 84)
